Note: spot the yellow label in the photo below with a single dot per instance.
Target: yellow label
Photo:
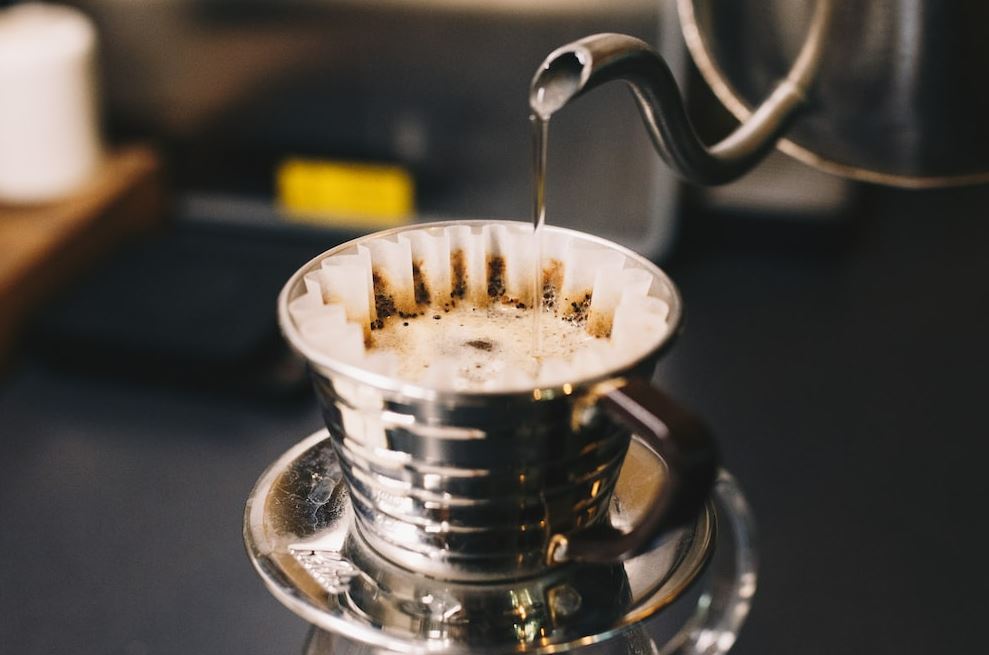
(342, 193)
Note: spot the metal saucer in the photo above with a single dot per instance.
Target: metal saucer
(298, 529)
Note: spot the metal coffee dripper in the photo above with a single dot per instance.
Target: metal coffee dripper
(522, 520)
(496, 485)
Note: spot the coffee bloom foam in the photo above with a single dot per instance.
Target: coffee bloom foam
(416, 273)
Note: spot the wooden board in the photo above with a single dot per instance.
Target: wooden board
(44, 247)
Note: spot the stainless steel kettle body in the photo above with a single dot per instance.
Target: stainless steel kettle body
(887, 91)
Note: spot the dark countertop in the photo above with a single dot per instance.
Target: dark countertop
(844, 375)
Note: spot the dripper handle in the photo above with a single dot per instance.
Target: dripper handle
(692, 464)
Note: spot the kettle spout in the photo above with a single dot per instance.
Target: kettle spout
(578, 67)
(561, 78)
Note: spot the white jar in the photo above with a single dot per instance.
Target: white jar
(49, 119)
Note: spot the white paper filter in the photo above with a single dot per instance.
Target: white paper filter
(477, 277)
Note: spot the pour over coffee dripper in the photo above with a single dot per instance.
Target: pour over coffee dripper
(394, 528)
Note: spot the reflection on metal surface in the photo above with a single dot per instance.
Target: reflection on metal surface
(365, 598)
(898, 98)
(329, 569)
(725, 603)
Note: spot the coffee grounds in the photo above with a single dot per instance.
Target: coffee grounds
(384, 303)
(577, 313)
(549, 296)
(458, 274)
(552, 281)
(496, 277)
(422, 294)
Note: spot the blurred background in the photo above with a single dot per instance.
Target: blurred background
(200, 151)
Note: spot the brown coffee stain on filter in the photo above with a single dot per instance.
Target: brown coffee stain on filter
(496, 277)
(384, 301)
(576, 307)
(368, 328)
(552, 281)
(599, 323)
(388, 304)
(419, 285)
(458, 275)
(481, 344)
(497, 287)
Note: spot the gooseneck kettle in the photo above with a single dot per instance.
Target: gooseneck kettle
(886, 91)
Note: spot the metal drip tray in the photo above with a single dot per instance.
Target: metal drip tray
(300, 535)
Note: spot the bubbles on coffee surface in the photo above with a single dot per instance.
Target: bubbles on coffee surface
(451, 308)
